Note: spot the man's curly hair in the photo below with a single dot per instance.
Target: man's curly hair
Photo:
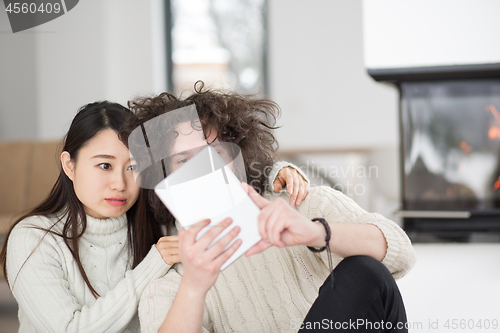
(244, 120)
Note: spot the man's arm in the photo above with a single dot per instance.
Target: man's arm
(354, 231)
(352, 239)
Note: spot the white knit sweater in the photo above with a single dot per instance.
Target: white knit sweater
(50, 291)
(265, 292)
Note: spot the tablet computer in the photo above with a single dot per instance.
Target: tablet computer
(205, 187)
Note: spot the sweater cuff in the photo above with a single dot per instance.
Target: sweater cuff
(150, 268)
(400, 255)
(393, 247)
(393, 240)
(280, 165)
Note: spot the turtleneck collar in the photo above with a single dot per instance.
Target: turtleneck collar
(105, 226)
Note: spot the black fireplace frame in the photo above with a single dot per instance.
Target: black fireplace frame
(459, 72)
(441, 225)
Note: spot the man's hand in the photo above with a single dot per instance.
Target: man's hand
(281, 225)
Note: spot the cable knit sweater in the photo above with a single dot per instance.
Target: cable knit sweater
(265, 292)
(50, 290)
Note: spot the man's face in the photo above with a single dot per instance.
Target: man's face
(190, 141)
(186, 144)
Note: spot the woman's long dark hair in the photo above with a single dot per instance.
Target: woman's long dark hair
(62, 200)
(244, 120)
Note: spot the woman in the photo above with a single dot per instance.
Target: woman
(80, 260)
(74, 263)
(275, 290)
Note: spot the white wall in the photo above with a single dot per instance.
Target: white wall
(420, 33)
(317, 75)
(104, 49)
(98, 50)
(70, 69)
(18, 115)
(113, 50)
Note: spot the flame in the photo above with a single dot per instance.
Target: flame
(465, 147)
(494, 132)
(496, 186)
(494, 111)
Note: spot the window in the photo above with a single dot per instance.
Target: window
(221, 42)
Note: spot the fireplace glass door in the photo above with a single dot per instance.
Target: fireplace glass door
(451, 145)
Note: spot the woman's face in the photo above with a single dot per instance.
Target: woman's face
(103, 176)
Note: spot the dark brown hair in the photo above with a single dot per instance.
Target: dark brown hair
(244, 120)
(89, 121)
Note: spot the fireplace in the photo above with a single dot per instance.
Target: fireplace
(446, 66)
(450, 153)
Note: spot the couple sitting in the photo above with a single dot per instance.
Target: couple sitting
(284, 282)
(94, 251)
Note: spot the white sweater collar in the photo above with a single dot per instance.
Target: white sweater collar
(105, 226)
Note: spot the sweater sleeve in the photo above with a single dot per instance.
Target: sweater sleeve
(276, 169)
(334, 206)
(156, 301)
(39, 280)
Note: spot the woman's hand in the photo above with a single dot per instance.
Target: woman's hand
(201, 269)
(168, 247)
(202, 265)
(295, 185)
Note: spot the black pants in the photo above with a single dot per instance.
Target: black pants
(364, 298)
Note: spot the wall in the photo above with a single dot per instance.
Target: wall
(69, 66)
(317, 75)
(113, 49)
(99, 50)
(18, 117)
(105, 49)
(419, 33)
